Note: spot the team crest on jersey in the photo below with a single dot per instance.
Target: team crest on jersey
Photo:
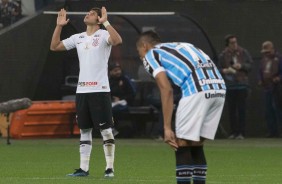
(95, 42)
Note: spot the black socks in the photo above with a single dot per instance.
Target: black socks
(191, 163)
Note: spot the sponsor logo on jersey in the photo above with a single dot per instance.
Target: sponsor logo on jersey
(96, 35)
(81, 36)
(214, 95)
(211, 81)
(87, 84)
(205, 65)
(78, 43)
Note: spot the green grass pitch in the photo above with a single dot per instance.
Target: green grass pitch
(138, 161)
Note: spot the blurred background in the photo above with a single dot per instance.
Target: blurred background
(29, 69)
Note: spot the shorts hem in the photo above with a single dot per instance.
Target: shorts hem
(193, 138)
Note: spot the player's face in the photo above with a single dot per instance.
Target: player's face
(142, 50)
(91, 18)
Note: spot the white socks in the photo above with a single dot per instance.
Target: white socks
(109, 147)
(85, 148)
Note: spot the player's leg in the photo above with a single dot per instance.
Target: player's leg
(184, 132)
(189, 122)
(107, 135)
(85, 148)
(191, 154)
(85, 124)
(184, 165)
(211, 112)
(85, 152)
(101, 113)
(109, 151)
(200, 164)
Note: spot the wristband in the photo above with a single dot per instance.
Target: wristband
(106, 23)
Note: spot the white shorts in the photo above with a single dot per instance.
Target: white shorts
(199, 115)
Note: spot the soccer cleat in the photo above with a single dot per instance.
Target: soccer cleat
(232, 136)
(240, 137)
(109, 173)
(79, 173)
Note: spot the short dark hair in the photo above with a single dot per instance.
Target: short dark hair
(228, 37)
(99, 13)
(97, 10)
(150, 37)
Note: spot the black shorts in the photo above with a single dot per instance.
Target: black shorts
(94, 110)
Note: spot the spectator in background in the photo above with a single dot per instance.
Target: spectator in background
(122, 92)
(10, 12)
(235, 65)
(270, 75)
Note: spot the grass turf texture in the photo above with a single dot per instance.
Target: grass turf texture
(138, 161)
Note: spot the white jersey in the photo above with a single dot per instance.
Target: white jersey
(93, 54)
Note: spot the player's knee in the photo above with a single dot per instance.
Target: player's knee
(197, 143)
(86, 134)
(189, 143)
(108, 136)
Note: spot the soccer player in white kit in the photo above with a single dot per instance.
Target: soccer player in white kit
(93, 99)
(200, 107)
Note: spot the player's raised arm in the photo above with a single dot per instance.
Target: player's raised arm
(115, 38)
(56, 43)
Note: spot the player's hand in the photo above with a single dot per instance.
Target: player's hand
(237, 66)
(116, 99)
(170, 139)
(62, 18)
(104, 17)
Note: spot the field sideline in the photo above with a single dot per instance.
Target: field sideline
(138, 161)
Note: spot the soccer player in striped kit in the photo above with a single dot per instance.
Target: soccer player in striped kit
(200, 107)
(93, 98)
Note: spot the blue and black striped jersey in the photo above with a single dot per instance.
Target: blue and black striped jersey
(187, 66)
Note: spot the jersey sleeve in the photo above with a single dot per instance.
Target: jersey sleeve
(69, 43)
(152, 63)
(107, 37)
